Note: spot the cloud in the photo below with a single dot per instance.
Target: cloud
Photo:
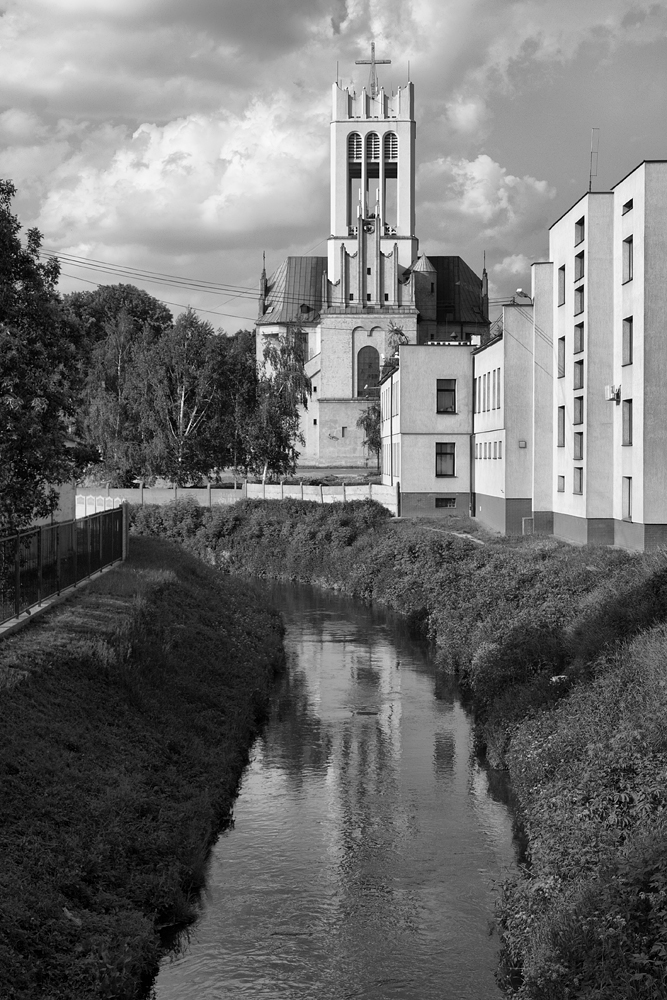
(198, 182)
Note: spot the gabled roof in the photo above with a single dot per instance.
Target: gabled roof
(294, 291)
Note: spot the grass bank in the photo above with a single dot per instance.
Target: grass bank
(563, 653)
(126, 716)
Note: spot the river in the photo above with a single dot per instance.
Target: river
(366, 842)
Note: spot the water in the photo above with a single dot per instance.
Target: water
(365, 843)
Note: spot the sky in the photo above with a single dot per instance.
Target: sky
(187, 137)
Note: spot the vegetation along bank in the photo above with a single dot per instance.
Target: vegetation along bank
(126, 716)
(563, 653)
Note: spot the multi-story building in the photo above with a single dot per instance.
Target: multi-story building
(503, 424)
(426, 400)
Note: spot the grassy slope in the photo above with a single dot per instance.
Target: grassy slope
(587, 754)
(120, 754)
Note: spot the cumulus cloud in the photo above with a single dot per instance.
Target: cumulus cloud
(154, 130)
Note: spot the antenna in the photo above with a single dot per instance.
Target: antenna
(595, 144)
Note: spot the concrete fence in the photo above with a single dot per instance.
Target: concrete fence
(388, 496)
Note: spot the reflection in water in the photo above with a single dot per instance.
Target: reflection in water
(365, 840)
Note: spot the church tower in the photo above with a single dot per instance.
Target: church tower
(350, 307)
(372, 178)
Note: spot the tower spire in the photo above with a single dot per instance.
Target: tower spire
(373, 62)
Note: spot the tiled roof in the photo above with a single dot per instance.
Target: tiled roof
(294, 291)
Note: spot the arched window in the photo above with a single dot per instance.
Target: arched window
(390, 146)
(368, 373)
(373, 146)
(354, 146)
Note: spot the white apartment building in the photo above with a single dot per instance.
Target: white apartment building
(426, 402)
(503, 424)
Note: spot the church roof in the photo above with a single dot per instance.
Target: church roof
(294, 291)
(459, 291)
(423, 264)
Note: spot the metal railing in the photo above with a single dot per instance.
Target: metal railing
(40, 562)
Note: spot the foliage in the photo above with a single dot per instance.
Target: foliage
(180, 392)
(120, 757)
(283, 388)
(39, 377)
(592, 778)
(93, 311)
(369, 423)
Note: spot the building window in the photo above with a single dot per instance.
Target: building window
(343, 432)
(315, 422)
(628, 259)
(499, 388)
(484, 393)
(445, 501)
(627, 498)
(578, 374)
(578, 480)
(368, 372)
(368, 296)
(627, 422)
(386, 296)
(578, 338)
(561, 484)
(493, 390)
(351, 297)
(627, 340)
(500, 449)
(444, 459)
(578, 300)
(561, 285)
(368, 270)
(354, 146)
(446, 395)
(484, 450)
(561, 426)
(578, 446)
(495, 449)
(561, 357)
(579, 266)
(474, 395)
(579, 231)
(391, 146)
(627, 207)
(578, 410)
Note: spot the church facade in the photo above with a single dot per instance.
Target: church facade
(373, 288)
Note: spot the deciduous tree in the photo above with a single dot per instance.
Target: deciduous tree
(39, 377)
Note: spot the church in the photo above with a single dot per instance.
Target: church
(347, 308)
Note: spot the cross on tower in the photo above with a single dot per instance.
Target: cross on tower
(372, 62)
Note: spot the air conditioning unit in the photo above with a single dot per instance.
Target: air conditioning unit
(610, 393)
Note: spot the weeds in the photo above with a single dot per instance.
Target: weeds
(120, 755)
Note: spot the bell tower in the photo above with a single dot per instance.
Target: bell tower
(372, 174)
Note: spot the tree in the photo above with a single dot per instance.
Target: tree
(39, 377)
(183, 381)
(283, 389)
(369, 423)
(116, 321)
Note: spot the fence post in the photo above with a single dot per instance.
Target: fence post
(344, 494)
(75, 547)
(88, 541)
(282, 489)
(208, 487)
(370, 491)
(321, 494)
(141, 497)
(398, 499)
(126, 530)
(58, 558)
(302, 489)
(39, 565)
(175, 491)
(102, 523)
(17, 576)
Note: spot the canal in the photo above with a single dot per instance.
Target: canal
(366, 842)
